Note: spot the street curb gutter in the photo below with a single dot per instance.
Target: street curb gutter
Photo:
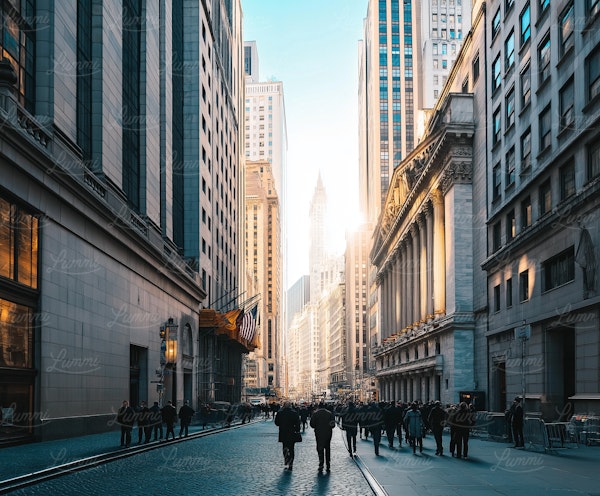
(375, 486)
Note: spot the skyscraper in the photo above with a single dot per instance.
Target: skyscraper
(406, 54)
(120, 200)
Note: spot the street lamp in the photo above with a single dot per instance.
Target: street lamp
(171, 342)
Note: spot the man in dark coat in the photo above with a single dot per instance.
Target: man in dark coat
(169, 415)
(349, 424)
(390, 420)
(155, 421)
(323, 422)
(288, 422)
(437, 421)
(186, 412)
(517, 422)
(143, 420)
(373, 418)
(125, 418)
(303, 416)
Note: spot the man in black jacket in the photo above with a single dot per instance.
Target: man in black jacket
(323, 422)
(125, 418)
(437, 421)
(288, 422)
(517, 422)
(186, 412)
(169, 415)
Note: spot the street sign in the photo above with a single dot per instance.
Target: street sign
(523, 332)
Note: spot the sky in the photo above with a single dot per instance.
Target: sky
(312, 47)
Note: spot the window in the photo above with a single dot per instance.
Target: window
(509, 290)
(544, 4)
(567, 20)
(544, 59)
(545, 197)
(526, 150)
(509, 51)
(524, 286)
(496, 23)
(594, 160)
(567, 180)
(526, 213)
(525, 87)
(525, 21)
(476, 67)
(497, 120)
(17, 45)
(496, 73)
(510, 167)
(510, 108)
(497, 298)
(496, 183)
(509, 5)
(558, 270)
(593, 74)
(511, 226)
(567, 102)
(496, 236)
(435, 49)
(545, 128)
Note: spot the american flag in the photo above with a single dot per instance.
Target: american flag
(248, 327)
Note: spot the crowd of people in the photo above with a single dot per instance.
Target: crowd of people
(404, 422)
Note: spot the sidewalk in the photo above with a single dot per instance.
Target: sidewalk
(27, 458)
(493, 468)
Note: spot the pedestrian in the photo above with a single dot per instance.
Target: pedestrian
(517, 423)
(169, 415)
(323, 422)
(125, 418)
(452, 411)
(463, 422)
(155, 421)
(186, 412)
(204, 415)
(142, 414)
(414, 425)
(303, 416)
(390, 421)
(374, 423)
(349, 424)
(288, 422)
(437, 421)
(399, 421)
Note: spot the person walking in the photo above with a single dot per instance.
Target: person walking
(349, 419)
(517, 423)
(390, 421)
(374, 422)
(186, 412)
(143, 414)
(155, 421)
(323, 422)
(125, 418)
(414, 425)
(437, 421)
(169, 415)
(303, 416)
(463, 422)
(288, 422)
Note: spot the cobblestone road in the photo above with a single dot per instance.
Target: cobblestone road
(245, 461)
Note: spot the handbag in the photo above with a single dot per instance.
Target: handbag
(297, 437)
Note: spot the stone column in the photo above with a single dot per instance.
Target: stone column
(429, 221)
(439, 254)
(416, 290)
(397, 292)
(423, 268)
(408, 277)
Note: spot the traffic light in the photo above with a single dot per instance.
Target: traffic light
(163, 333)
(374, 395)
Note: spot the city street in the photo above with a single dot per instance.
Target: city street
(248, 461)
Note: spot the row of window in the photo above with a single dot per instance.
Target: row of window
(555, 272)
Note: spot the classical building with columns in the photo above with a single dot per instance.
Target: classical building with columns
(424, 271)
